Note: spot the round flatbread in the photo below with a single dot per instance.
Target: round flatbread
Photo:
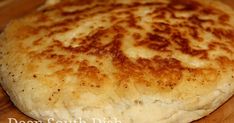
(166, 61)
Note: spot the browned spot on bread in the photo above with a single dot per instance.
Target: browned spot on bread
(37, 42)
(184, 5)
(223, 33)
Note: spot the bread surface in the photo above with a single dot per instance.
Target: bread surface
(165, 61)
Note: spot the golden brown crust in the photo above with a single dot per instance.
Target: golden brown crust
(170, 50)
(165, 37)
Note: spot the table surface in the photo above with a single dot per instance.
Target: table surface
(224, 114)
